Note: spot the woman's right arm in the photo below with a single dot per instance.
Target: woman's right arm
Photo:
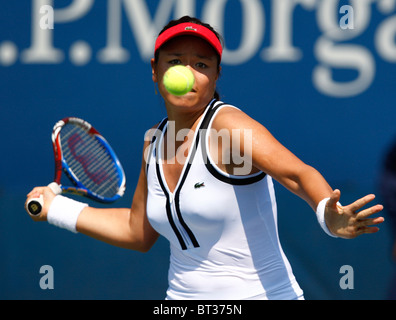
(126, 228)
(121, 227)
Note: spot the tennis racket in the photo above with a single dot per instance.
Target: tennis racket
(88, 161)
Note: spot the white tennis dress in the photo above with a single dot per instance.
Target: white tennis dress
(222, 228)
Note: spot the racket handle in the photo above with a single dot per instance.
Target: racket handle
(35, 205)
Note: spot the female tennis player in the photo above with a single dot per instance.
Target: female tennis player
(213, 200)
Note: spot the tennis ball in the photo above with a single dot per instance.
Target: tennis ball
(178, 80)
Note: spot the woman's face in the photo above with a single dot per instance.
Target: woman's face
(196, 54)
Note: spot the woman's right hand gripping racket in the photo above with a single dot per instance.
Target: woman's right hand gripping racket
(89, 162)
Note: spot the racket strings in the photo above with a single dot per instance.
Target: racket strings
(89, 161)
(85, 163)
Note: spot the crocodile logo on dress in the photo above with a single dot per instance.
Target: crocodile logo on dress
(199, 185)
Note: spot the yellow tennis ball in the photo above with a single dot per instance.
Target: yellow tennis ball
(178, 80)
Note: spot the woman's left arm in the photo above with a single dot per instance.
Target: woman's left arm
(270, 156)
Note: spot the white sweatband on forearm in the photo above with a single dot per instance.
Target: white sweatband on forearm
(320, 214)
(64, 212)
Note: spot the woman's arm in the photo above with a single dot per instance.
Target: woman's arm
(127, 228)
(265, 153)
(262, 151)
(122, 227)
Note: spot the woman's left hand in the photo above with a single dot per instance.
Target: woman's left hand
(350, 221)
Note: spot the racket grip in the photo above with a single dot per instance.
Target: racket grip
(35, 205)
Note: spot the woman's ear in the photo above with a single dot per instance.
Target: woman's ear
(154, 70)
(218, 73)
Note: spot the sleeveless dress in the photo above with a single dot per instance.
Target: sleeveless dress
(222, 228)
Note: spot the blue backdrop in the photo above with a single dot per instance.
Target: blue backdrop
(319, 77)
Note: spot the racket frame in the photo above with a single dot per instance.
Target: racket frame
(62, 166)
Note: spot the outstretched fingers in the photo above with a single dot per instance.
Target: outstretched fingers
(364, 214)
(364, 223)
(360, 203)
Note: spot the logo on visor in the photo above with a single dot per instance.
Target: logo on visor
(190, 29)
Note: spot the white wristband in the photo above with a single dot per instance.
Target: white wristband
(64, 212)
(320, 214)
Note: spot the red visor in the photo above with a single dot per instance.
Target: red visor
(191, 29)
